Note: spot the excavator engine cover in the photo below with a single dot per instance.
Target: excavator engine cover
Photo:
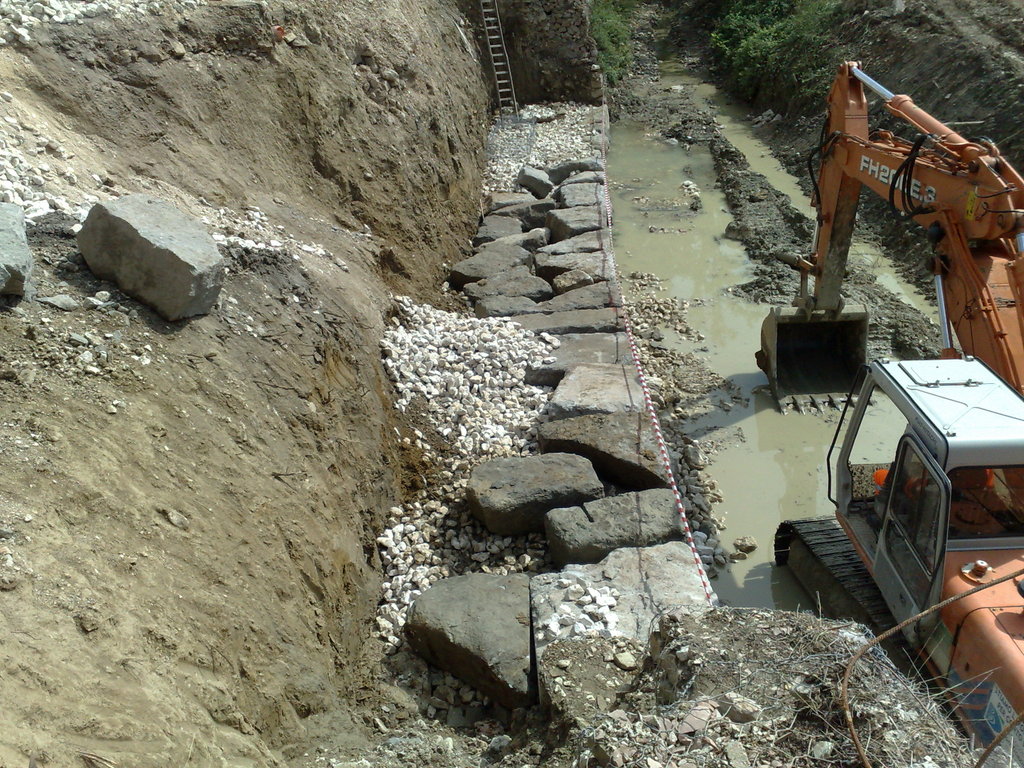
(816, 355)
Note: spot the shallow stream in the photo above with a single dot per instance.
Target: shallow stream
(769, 466)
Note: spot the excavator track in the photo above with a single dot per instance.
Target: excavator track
(824, 561)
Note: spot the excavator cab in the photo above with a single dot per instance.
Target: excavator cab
(813, 353)
(929, 488)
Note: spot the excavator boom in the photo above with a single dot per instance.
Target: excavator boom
(964, 194)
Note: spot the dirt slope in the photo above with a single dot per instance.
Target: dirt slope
(241, 635)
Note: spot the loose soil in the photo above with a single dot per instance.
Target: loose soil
(189, 572)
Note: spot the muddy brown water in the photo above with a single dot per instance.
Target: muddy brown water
(769, 466)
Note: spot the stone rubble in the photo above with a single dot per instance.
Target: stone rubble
(19, 18)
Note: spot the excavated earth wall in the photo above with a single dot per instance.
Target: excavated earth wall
(189, 510)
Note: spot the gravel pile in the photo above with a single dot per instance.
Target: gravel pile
(465, 376)
(582, 610)
(543, 135)
(34, 168)
(18, 18)
(568, 137)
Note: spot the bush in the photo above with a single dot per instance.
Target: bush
(779, 49)
(610, 22)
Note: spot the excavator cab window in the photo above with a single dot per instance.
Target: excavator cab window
(870, 458)
(987, 503)
(914, 521)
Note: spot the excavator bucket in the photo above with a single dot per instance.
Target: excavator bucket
(816, 355)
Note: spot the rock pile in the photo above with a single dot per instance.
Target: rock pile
(702, 702)
(541, 284)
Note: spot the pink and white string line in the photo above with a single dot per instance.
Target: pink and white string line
(611, 269)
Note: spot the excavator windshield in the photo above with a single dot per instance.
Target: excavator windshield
(986, 502)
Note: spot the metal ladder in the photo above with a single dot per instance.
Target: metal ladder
(499, 56)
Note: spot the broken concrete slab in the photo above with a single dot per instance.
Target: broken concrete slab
(637, 519)
(562, 171)
(495, 227)
(505, 306)
(551, 265)
(532, 214)
(579, 321)
(517, 281)
(596, 388)
(477, 627)
(531, 241)
(592, 296)
(510, 496)
(535, 181)
(622, 595)
(621, 447)
(574, 195)
(154, 253)
(16, 262)
(585, 243)
(579, 348)
(498, 200)
(570, 222)
(488, 262)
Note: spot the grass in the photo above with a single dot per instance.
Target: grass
(610, 22)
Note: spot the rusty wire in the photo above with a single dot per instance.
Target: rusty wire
(845, 692)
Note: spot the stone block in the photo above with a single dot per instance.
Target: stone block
(154, 253)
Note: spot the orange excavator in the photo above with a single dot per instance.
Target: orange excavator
(927, 465)
(964, 194)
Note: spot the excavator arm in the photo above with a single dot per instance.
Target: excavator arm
(966, 196)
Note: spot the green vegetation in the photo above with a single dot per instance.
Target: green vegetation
(610, 27)
(780, 49)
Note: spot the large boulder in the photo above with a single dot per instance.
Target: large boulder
(575, 195)
(531, 214)
(592, 296)
(577, 321)
(487, 263)
(579, 348)
(587, 534)
(596, 388)
(535, 181)
(571, 280)
(595, 263)
(585, 177)
(154, 253)
(495, 227)
(620, 596)
(570, 222)
(621, 446)
(16, 261)
(531, 241)
(585, 243)
(562, 171)
(505, 306)
(510, 496)
(498, 200)
(515, 282)
(478, 628)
